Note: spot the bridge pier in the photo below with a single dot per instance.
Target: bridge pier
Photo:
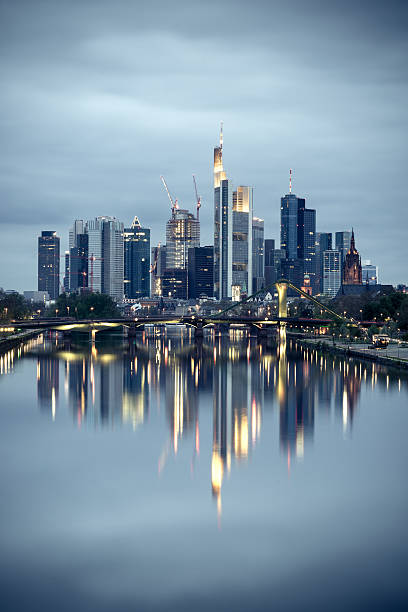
(198, 332)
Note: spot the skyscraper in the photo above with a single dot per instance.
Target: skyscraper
(369, 273)
(324, 242)
(49, 263)
(306, 241)
(79, 263)
(222, 227)
(200, 271)
(157, 268)
(331, 272)
(298, 236)
(137, 260)
(182, 232)
(343, 240)
(258, 247)
(113, 258)
(269, 262)
(242, 211)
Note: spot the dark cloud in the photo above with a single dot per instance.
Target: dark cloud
(100, 98)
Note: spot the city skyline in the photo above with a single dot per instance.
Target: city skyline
(94, 144)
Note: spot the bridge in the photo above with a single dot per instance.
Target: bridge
(226, 317)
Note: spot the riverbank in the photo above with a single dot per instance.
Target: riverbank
(17, 339)
(395, 356)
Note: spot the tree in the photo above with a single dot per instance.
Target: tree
(13, 306)
(85, 306)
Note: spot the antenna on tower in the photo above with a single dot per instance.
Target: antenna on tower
(290, 180)
(221, 134)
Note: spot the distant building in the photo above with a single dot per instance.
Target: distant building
(78, 268)
(157, 268)
(49, 263)
(269, 262)
(278, 258)
(292, 270)
(200, 272)
(36, 296)
(298, 235)
(258, 259)
(67, 272)
(174, 283)
(352, 271)
(369, 273)
(222, 227)
(182, 232)
(136, 260)
(343, 240)
(324, 242)
(331, 272)
(306, 241)
(242, 237)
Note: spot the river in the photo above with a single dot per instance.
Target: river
(224, 475)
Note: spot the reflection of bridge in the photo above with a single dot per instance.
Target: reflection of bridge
(225, 317)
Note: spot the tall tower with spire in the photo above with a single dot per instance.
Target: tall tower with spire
(222, 226)
(352, 270)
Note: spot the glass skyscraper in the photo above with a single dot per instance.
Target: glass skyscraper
(137, 260)
(49, 263)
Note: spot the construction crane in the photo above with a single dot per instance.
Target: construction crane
(174, 203)
(198, 198)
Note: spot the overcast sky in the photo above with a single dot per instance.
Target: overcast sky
(99, 98)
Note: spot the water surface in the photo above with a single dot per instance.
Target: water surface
(223, 476)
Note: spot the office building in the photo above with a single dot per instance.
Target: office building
(269, 261)
(200, 272)
(182, 232)
(157, 269)
(292, 270)
(278, 258)
(324, 242)
(222, 227)
(49, 263)
(242, 209)
(79, 263)
(258, 257)
(331, 272)
(67, 272)
(136, 260)
(369, 273)
(352, 272)
(306, 242)
(298, 236)
(113, 258)
(174, 283)
(343, 240)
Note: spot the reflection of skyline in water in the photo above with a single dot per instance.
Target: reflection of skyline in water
(241, 379)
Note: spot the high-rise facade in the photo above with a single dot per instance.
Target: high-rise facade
(222, 227)
(136, 260)
(269, 262)
(113, 258)
(97, 256)
(182, 232)
(324, 242)
(369, 273)
(49, 263)
(298, 238)
(331, 272)
(200, 272)
(343, 240)
(79, 263)
(242, 212)
(307, 241)
(258, 255)
(157, 269)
